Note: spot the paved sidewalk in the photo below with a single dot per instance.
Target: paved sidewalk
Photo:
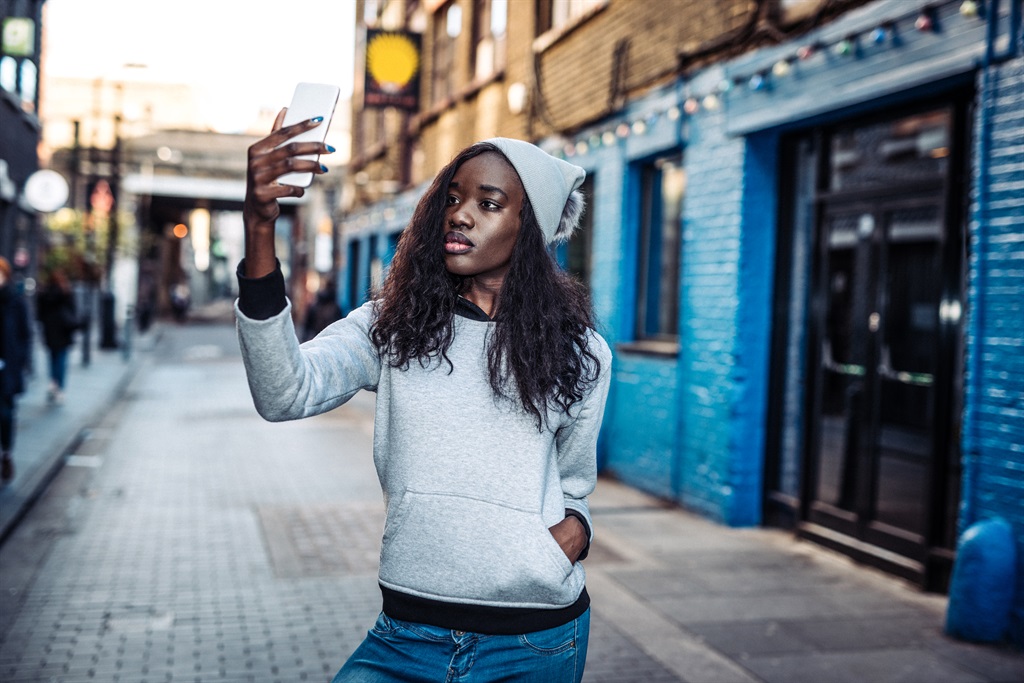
(46, 432)
(717, 605)
(201, 569)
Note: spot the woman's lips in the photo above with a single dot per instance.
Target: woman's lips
(457, 243)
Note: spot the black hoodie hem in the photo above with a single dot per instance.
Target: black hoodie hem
(482, 619)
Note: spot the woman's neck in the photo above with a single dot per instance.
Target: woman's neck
(483, 292)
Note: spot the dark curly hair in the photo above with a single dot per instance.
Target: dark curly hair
(538, 354)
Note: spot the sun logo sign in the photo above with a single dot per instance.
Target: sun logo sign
(392, 69)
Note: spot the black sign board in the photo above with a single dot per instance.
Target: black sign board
(392, 69)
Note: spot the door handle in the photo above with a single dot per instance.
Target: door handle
(848, 369)
(885, 369)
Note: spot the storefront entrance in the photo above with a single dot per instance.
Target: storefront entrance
(878, 420)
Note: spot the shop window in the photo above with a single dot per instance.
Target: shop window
(9, 74)
(28, 83)
(392, 247)
(876, 156)
(446, 29)
(357, 284)
(376, 266)
(662, 186)
(575, 254)
(490, 23)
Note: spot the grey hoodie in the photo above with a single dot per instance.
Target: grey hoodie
(470, 485)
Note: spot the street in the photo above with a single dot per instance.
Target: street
(185, 539)
(164, 530)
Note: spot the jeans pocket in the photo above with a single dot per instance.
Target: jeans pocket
(551, 641)
(384, 626)
(409, 631)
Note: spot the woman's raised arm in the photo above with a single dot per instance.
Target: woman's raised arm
(269, 159)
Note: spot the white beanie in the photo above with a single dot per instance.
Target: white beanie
(552, 186)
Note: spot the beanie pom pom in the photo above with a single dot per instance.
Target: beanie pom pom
(571, 215)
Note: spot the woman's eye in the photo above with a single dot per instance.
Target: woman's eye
(452, 199)
(489, 205)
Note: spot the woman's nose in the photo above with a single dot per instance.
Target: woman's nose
(460, 218)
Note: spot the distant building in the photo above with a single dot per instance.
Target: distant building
(142, 106)
(803, 242)
(149, 140)
(21, 25)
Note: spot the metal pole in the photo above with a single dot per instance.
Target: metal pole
(90, 248)
(109, 324)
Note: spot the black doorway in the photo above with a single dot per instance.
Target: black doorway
(864, 445)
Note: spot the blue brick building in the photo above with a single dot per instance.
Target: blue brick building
(809, 261)
(848, 358)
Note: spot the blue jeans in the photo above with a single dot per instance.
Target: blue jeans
(59, 366)
(400, 651)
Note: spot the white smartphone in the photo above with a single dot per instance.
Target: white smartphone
(310, 100)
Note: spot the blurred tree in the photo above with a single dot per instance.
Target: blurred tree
(75, 242)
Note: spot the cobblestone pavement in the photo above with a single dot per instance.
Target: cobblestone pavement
(187, 540)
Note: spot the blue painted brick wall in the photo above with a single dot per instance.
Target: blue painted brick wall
(993, 437)
(641, 432)
(692, 427)
(712, 260)
(756, 276)
(608, 261)
(639, 438)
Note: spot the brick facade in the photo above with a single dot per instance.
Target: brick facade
(993, 434)
(624, 49)
(690, 423)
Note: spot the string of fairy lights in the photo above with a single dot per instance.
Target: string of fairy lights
(852, 46)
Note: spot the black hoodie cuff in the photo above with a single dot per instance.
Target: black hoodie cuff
(586, 528)
(261, 298)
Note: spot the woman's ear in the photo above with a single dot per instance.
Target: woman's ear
(571, 215)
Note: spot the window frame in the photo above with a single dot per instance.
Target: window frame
(483, 31)
(552, 24)
(576, 255)
(442, 81)
(656, 318)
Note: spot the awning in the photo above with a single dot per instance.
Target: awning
(214, 189)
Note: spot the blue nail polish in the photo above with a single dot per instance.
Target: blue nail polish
(330, 149)
(317, 119)
(323, 168)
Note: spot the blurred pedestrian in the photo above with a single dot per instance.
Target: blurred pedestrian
(58, 315)
(15, 350)
(322, 312)
(491, 383)
(181, 299)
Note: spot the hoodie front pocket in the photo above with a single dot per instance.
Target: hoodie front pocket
(470, 550)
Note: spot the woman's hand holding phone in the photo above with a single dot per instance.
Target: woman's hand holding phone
(269, 159)
(281, 165)
(309, 102)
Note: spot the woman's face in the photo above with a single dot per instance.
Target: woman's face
(482, 218)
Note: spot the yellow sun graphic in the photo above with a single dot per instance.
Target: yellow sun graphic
(392, 60)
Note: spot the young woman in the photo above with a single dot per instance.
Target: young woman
(491, 384)
(55, 308)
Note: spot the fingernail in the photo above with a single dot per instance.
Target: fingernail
(330, 149)
(323, 168)
(317, 119)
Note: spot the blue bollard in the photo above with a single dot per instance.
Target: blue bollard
(981, 590)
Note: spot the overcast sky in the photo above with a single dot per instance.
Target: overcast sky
(243, 55)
